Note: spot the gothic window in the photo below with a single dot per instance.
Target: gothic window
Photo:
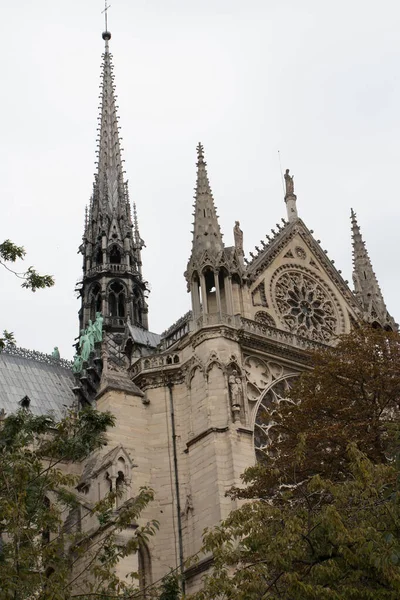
(120, 488)
(115, 255)
(144, 564)
(116, 300)
(305, 306)
(265, 319)
(265, 431)
(95, 301)
(99, 257)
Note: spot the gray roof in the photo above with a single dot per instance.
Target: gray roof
(143, 337)
(47, 381)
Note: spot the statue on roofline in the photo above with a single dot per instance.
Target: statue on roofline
(56, 352)
(289, 181)
(78, 364)
(85, 345)
(238, 237)
(98, 328)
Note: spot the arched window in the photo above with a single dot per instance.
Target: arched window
(116, 300)
(99, 257)
(265, 434)
(144, 560)
(115, 255)
(95, 301)
(120, 488)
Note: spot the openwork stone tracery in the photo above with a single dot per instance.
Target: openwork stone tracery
(265, 432)
(305, 305)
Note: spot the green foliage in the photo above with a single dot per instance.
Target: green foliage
(32, 280)
(44, 554)
(7, 340)
(322, 517)
(10, 252)
(170, 588)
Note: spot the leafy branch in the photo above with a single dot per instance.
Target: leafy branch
(31, 279)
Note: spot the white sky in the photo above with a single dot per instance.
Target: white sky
(319, 81)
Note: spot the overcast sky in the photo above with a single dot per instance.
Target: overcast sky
(318, 81)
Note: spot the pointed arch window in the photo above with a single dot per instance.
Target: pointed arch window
(116, 300)
(95, 301)
(115, 255)
(99, 257)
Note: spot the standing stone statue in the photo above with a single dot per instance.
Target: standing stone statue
(98, 328)
(235, 388)
(84, 345)
(289, 180)
(56, 352)
(238, 237)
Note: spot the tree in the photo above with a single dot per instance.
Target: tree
(31, 280)
(322, 519)
(10, 253)
(43, 554)
(351, 394)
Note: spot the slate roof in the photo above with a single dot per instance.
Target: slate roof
(47, 381)
(143, 337)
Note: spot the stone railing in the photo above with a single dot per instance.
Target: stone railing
(176, 331)
(217, 319)
(38, 356)
(112, 268)
(155, 362)
(285, 337)
(235, 321)
(115, 322)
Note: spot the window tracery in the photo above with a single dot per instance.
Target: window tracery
(116, 300)
(264, 318)
(95, 301)
(305, 305)
(265, 431)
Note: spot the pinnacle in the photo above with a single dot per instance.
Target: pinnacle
(366, 285)
(200, 153)
(207, 233)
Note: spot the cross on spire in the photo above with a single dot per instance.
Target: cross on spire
(106, 7)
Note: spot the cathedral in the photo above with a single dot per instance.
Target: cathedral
(188, 402)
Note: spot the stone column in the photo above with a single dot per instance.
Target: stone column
(204, 294)
(195, 298)
(229, 294)
(217, 292)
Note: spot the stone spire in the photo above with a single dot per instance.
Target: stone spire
(211, 266)
(110, 174)
(207, 234)
(112, 268)
(366, 287)
(290, 197)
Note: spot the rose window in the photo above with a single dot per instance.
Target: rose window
(305, 306)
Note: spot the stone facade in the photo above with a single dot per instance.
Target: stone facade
(187, 402)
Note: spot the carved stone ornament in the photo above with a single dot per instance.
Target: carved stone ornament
(300, 252)
(305, 305)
